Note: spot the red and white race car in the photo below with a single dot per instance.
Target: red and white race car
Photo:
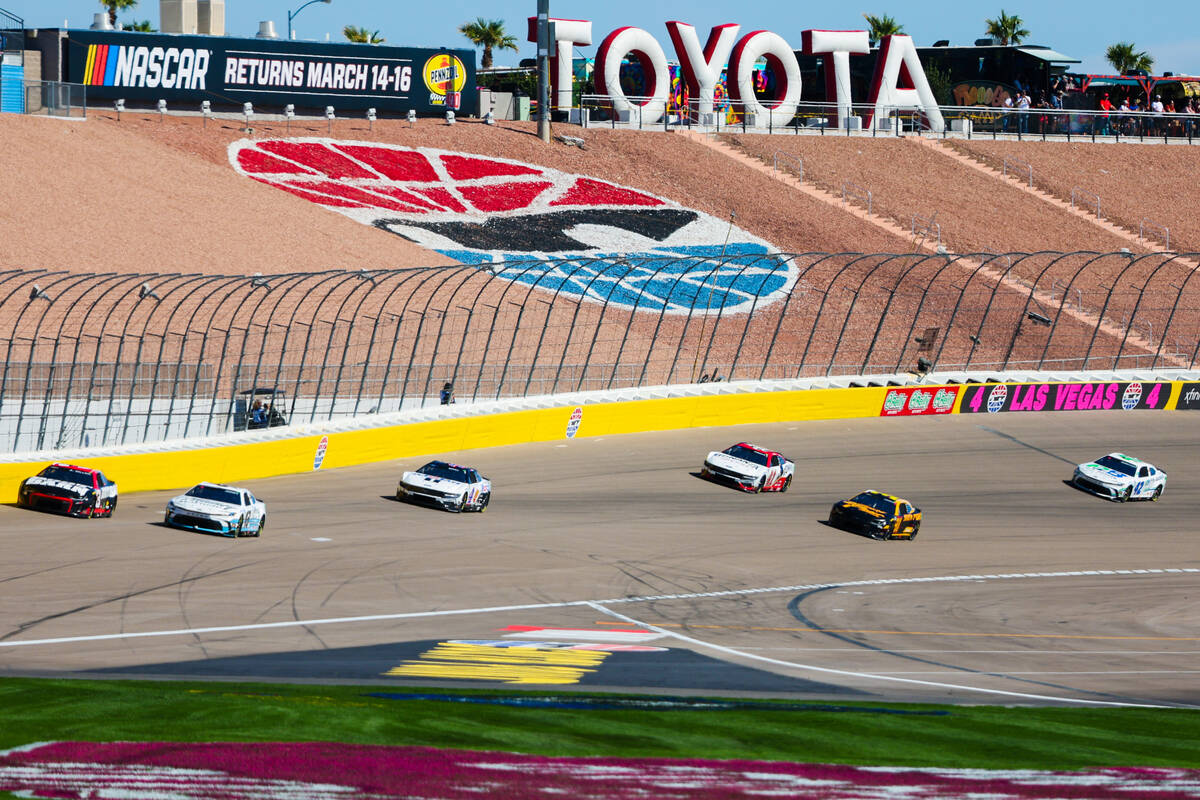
(753, 469)
(68, 489)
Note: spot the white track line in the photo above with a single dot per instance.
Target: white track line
(870, 676)
(576, 603)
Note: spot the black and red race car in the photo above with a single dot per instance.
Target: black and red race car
(69, 489)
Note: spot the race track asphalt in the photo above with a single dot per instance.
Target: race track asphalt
(1020, 589)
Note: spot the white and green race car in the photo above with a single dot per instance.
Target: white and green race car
(1119, 477)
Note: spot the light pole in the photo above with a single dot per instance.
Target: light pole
(293, 14)
(543, 69)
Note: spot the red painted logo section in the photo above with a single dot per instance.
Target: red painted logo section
(323, 771)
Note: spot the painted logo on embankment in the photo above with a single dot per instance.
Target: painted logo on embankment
(564, 233)
(326, 771)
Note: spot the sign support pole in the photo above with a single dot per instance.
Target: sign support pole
(543, 68)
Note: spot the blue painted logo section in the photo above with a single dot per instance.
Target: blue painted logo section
(695, 279)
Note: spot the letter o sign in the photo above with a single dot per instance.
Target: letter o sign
(782, 62)
(640, 44)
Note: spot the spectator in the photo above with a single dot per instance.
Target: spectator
(1008, 105)
(1190, 123)
(447, 393)
(1172, 120)
(1106, 107)
(1157, 124)
(1022, 112)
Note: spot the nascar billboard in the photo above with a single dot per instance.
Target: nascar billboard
(271, 73)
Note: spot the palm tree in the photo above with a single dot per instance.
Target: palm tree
(143, 26)
(114, 6)
(1124, 58)
(882, 26)
(1007, 29)
(488, 34)
(362, 35)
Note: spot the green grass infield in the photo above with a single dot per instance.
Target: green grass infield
(570, 724)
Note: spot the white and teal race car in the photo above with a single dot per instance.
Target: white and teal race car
(216, 508)
(1119, 477)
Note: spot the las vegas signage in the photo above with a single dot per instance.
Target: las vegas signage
(899, 82)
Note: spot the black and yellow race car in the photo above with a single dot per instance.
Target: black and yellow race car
(878, 515)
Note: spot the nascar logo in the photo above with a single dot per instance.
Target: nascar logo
(146, 67)
(1131, 397)
(996, 398)
(573, 423)
(563, 233)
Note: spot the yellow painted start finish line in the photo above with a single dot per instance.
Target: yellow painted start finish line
(169, 469)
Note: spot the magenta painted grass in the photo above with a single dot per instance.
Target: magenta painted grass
(321, 771)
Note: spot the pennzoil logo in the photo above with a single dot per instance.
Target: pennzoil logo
(445, 75)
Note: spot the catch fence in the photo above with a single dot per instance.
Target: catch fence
(94, 360)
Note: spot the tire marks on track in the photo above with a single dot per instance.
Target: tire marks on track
(794, 610)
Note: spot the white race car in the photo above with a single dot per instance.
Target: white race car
(1120, 477)
(453, 487)
(753, 469)
(216, 508)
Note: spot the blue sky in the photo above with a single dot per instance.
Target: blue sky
(1165, 28)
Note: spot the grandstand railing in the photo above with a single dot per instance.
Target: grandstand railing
(823, 118)
(93, 360)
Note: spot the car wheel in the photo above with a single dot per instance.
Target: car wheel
(916, 530)
(262, 523)
(878, 535)
(462, 504)
(786, 484)
(483, 504)
(1124, 498)
(237, 532)
(761, 485)
(112, 507)
(1157, 493)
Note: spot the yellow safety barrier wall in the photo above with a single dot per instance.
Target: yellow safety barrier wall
(167, 469)
(228, 463)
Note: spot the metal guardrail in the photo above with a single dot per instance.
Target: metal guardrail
(1083, 195)
(791, 163)
(824, 118)
(91, 360)
(852, 191)
(925, 226)
(1011, 163)
(1148, 224)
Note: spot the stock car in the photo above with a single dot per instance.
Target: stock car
(1119, 477)
(216, 508)
(69, 489)
(450, 486)
(751, 468)
(878, 515)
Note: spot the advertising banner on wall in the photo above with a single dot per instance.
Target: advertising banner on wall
(992, 398)
(1189, 397)
(913, 401)
(271, 73)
